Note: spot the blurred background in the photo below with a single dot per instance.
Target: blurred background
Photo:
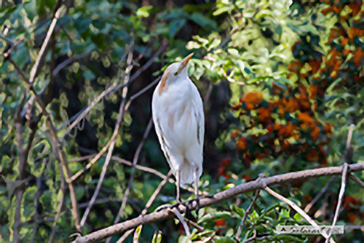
(281, 83)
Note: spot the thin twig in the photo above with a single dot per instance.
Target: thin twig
(69, 61)
(51, 132)
(149, 203)
(82, 158)
(182, 220)
(246, 215)
(343, 179)
(18, 69)
(319, 195)
(60, 155)
(43, 49)
(146, 88)
(350, 135)
(60, 204)
(108, 200)
(356, 179)
(7, 54)
(131, 178)
(135, 160)
(156, 192)
(143, 168)
(113, 88)
(125, 235)
(111, 148)
(297, 209)
(195, 225)
(113, 137)
(340, 199)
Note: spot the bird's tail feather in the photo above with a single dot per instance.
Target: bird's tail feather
(187, 171)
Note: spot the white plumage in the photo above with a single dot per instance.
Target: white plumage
(179, 123)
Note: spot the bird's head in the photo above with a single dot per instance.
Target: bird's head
(176, 70)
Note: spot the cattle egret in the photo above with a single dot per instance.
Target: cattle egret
(179, 123)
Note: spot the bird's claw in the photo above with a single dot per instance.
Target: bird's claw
(176, 205)
(197, 200)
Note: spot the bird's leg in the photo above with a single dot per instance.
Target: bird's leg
(196, 189)
(178, 197)
(178, 182)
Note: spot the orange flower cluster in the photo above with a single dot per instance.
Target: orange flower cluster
(351, 205)
(279, 138)
(224, 164)
(251, 100)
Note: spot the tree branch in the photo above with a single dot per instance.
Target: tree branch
(214, 199)
(357, 180)
(297, 209)
(43, 49)
(341, 195)
(111, 147)
(135, 160)
(246, 215)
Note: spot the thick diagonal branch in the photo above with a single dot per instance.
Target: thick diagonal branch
(214, 199)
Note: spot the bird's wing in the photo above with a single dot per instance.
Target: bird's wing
(158, 128)
(199, 115)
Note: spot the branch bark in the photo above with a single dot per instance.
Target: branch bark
(214, 199)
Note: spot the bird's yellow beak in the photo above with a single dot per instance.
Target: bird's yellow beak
(184, 62)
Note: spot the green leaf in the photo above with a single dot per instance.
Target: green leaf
(233, 52)
(157, 237)
(82, 24)
(11, 185)
(144, 11)
(176, 25)
(240, 211)
(224, 239)
(7, 13)
(203, 21)
(137, 233)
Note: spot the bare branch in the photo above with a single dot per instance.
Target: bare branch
(146, 88)
(216, 198)
(18, 69)
(298, 209)
(43, 49)
(182, 220)
(125, 235)
(135, 160)
(156, 192)
(341, 195)
(111, 148)
(113, 88)
(357, 180)
(149, 203)
(350, 135)
(319, 195)
(246, 215)
(7, 54)
(69, 61)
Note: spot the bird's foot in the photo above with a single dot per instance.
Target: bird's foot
(176, 205)
(197, 205)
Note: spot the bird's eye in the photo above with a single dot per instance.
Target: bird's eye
(176, 73)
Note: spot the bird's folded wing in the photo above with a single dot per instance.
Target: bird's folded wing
(161, 136)
(199, 115)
